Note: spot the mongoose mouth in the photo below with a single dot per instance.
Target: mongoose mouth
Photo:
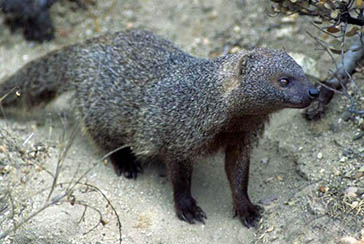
(300, 101)
(299, 105)
(303, 101)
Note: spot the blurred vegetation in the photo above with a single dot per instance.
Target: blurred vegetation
(337, 18)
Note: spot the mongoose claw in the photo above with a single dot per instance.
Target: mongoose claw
(133, 171)
(130, 170)
(187, 210)
(249, 215)
(125, 163)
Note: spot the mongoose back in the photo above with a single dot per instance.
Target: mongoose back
(136, 92)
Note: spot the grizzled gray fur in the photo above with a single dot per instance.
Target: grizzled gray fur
(138, 93)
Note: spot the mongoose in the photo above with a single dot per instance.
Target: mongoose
(139, 93)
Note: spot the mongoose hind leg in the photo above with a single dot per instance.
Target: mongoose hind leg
(180, 174)
(125, 163)
(100, 128)
(237, 170)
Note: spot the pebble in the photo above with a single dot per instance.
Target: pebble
(346, 116)
(319, 155)
(358, 175)
(236, 28)
(323, 189)
(264, 160)
(3, 149)
(351, 191)
(355, 204)
(358, 136)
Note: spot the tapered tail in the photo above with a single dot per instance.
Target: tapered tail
(38, 82)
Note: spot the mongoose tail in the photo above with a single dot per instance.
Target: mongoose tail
(38, 82)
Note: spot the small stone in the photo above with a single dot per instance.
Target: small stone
(213, 15)
(264, 160)
(235, 49)
(236, 28)
(270, 229)
(89, 32)
(346, 116)
(358, 135)
(291, 203)
(319, 155)
(323, 189)
(205, 41)
(358, 175)
(3, 148)
(337, 172)
(355, 204)
(351, 191)
(291, 18)
(361, 169)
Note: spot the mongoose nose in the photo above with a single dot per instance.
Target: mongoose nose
(313, 92)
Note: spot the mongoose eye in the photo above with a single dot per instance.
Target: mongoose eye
(283, 82)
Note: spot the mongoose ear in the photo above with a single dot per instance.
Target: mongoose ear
(240, 66)
(237, 68)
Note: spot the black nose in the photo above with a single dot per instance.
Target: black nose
(313, 92)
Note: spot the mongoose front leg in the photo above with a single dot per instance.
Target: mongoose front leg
(125, 162)
(180, 173)
(237, 170)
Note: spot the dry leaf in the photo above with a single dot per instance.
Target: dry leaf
(336, 51)
(353, 31)
(333, 29)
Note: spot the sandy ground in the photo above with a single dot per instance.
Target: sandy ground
(307, 175)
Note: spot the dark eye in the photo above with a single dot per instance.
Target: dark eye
(283, 82)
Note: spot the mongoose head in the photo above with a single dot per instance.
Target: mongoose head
(267, 80)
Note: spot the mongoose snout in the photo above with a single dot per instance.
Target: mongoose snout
(305, 98)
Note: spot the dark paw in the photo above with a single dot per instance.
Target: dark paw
(129, 169)
(125, 163)
(249, 215)
(187, 210)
